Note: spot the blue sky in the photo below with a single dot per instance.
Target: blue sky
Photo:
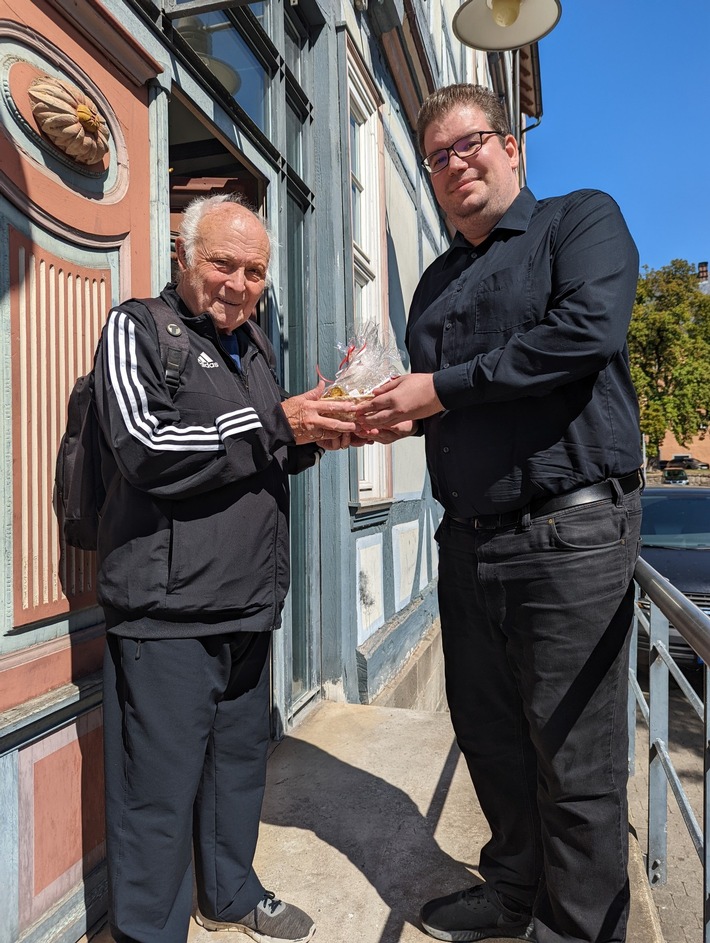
(626, 109)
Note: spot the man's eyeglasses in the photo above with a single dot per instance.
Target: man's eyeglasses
(465, 147)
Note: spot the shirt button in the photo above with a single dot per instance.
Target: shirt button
(446, 448)
(447, 326)
(444, 366)
(454, 494)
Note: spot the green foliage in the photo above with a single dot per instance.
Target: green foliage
(669, 348)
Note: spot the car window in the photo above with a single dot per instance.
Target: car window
(676, 522)
(674, 474)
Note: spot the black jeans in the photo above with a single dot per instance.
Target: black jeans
(535, 625)
(186, 732)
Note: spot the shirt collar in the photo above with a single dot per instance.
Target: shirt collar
(201, 323)
(170, 294)
(516, 218)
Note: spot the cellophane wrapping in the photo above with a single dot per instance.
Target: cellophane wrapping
(367, 363)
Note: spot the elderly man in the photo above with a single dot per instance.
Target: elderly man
(193, 571)
(521, 384)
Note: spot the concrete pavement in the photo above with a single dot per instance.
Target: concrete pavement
(362, 822)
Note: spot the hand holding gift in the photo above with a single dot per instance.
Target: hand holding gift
(367, 363)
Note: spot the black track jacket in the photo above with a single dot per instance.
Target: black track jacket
(193, 535)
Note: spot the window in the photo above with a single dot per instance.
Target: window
(369, 253)
(448, 65)
(299, 109)
(356, 185)
(220, 47)
(293, 43)
(294, 139)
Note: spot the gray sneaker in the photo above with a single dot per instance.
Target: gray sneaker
(271, 921)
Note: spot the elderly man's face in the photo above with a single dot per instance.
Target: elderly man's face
(228, 273)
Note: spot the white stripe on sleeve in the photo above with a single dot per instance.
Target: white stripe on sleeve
(133, 401)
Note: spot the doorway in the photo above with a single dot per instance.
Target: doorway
(202, 165)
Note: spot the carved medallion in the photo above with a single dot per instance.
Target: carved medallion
(69, 119)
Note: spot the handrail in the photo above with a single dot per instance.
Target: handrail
(690, 621)
(669, 604)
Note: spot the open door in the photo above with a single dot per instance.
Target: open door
(201, 165)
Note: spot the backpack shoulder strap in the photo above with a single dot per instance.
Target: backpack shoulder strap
(172, 337)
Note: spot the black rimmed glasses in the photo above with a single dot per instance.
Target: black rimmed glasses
(466, 146)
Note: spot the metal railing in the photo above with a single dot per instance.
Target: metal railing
(659, 603)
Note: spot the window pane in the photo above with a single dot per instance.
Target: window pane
(218, 44)
(256, 6)
(355, 210)
(259, 11)
(358, 303)
(354, 148)
(355, 185)
(292, 49)
(294, 140)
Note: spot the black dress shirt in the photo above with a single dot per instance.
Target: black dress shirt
(526, 337)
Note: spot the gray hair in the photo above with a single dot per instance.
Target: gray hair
(444, 100)
(198, 208)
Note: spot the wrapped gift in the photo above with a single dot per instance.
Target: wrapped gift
(367, 363)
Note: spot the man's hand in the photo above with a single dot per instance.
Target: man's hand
(392, 434)
(313, 419)
(347, 439)
(400, 400)
(366, 436)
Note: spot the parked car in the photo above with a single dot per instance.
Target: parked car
(678, 461)
(674, 476)
(686, 461)
(675, 541)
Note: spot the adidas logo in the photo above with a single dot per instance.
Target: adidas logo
(207, 362)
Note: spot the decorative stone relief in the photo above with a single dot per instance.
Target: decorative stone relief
(69, 119)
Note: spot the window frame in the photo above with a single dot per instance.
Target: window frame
(372, 470)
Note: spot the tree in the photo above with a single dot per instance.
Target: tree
(669, 349)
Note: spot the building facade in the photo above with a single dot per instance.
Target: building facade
(308, 108)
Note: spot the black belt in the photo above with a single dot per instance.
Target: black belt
(540, 507)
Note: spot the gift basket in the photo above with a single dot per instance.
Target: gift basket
(367, 363)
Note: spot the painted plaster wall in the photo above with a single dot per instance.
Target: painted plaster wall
(699, 447)
(402, 145)
(370, 586)
(408, 461)
(403, 238)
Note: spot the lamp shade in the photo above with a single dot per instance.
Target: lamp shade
(223, 72)
(475, 26)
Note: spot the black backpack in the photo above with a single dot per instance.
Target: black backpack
(79, 491)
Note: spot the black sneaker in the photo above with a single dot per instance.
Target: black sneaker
(474, 914)
(271, 921)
